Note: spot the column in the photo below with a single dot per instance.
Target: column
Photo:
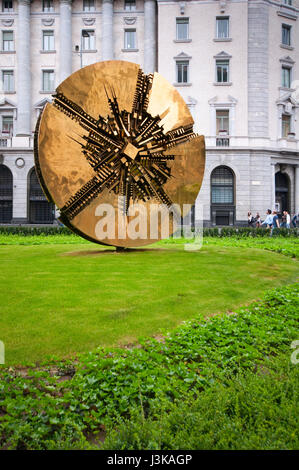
(258, 70)
(107, 30)
(65, 39)
(24, 72)
(297, 189)
(149, 36)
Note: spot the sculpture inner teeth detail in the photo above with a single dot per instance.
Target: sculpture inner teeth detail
(126, 150)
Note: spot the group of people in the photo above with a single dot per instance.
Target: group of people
(272, 220)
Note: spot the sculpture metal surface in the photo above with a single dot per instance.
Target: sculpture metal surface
(113, 135)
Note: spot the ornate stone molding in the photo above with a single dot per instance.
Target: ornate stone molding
(287, 60)
(89, 21)
(191, 101)
(182, 56)
(48, 21)
(222, 55)
(7, 22)
(182, 8)
(130, 20)
(24, 2)
(222, 6)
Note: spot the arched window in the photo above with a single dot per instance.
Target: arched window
(5, 195)
(40, 210)
(222, 196)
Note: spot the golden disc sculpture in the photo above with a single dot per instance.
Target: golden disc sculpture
(116, 138)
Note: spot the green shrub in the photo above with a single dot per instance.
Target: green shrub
(36, 231)
(244, 232)
(248, 411)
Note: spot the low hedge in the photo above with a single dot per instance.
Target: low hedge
(243, 232)
(24, 230)
(239, 232)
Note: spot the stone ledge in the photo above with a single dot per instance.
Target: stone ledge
(222, 39)
(182, 40)
(222, 83)
(182, 84)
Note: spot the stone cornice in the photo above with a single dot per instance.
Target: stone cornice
(24, 2)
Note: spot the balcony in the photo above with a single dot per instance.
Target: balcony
(222, 141)
(3, 142)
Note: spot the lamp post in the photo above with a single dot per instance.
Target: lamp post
(79, 49)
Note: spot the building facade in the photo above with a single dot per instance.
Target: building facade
(235, 62)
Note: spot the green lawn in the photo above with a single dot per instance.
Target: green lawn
(61, 299)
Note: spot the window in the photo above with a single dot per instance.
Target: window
(182, 71)
(222, 71)
(40, 210)
(48, 41)
(286, 77)
(222, 27)
(130, 5)
(7, 41)
(48, 6)
(48, 80)
(8, 81)
(287, 2)
(7, 5)
(285, 125)
(222, 121)
(286, 34)
(182, 29)
(7, 125)
(222, 186)
(88, 40)
(6, 192)
(130, 39)
(88, 5)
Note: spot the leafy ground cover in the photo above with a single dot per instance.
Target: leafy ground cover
(247, 411)
(226, 382)
(57, 299)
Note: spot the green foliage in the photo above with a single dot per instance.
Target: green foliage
(248, 411)
(39, 411)
(25, 231)
(244, 232)
(238, 232)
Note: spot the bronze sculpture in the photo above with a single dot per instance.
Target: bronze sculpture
(115, 135)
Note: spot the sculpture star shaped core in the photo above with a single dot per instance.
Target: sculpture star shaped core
(126, 149)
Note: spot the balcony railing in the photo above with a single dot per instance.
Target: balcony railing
(3, 142)
(222, 141)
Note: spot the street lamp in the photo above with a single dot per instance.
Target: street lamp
(79, 49)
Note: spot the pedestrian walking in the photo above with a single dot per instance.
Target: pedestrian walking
(284, 219)
(251, 219)
(268, 220)
(288, 220)
(258, 221)
(275, 222)
(294, 221)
